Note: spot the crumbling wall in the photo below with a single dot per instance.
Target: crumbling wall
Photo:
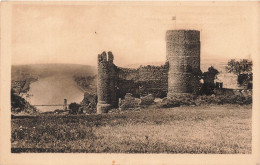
(154, 80)
(178, 76)
(129, 102)
(89, 103)
(143, 80)
(127, 74)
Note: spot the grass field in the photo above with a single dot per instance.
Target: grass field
(220, 129)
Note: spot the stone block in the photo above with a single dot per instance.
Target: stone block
(147, 100)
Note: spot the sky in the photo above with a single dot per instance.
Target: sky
(133, 31)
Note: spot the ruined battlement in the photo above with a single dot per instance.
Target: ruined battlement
(106, 57)
(176, 77)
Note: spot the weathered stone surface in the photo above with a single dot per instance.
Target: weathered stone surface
(129, 103)
(106, 82)
(177, 76)
(103, 108)
(183, 55)
(147, 100)
(89, 103)
(143, 80)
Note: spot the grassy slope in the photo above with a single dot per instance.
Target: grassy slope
(203, 129)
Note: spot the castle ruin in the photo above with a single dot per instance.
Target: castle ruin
(183, 55)
(178, 76)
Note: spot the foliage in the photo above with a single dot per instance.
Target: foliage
(213, 71)
(244, 78)
(209, 77)
(188, 100)
(243, 66)
(19, 104)
(74, 108)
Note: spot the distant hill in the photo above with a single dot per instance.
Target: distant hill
(45, 70)
(205, 63)
(52, 83)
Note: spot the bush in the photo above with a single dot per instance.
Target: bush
(208, 78)
(205, 100)
(74, 108)
(19, 104)
(242, 68)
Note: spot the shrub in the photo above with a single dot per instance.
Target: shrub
(242, 68)
(74, 108)
(205, 99)
(19, 104)
(208, 78)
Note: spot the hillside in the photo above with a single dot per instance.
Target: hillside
(45, 70)
(52, 83)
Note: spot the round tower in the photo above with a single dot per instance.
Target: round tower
(183, 56)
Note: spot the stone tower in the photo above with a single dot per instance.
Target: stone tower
(183, 55)
(106, 83)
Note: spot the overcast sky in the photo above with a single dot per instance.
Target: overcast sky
(133, 31)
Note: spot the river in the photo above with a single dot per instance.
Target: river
(53, 90)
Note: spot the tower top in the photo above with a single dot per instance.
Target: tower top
(106, 57)
(180, 36)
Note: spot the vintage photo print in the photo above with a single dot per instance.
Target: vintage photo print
(130, 82)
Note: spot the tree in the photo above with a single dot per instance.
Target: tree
(74, 107)
(208, 78)
(242, 68)
(19, 104)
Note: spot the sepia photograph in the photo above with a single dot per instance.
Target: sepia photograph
(131, 78)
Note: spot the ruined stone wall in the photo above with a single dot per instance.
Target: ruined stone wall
(127, 73)
(183, 55)
(143, 80)
(154, 80)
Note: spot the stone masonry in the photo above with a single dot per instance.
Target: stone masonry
(177, 77)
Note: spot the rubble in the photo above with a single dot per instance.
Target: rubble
(129, 103)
